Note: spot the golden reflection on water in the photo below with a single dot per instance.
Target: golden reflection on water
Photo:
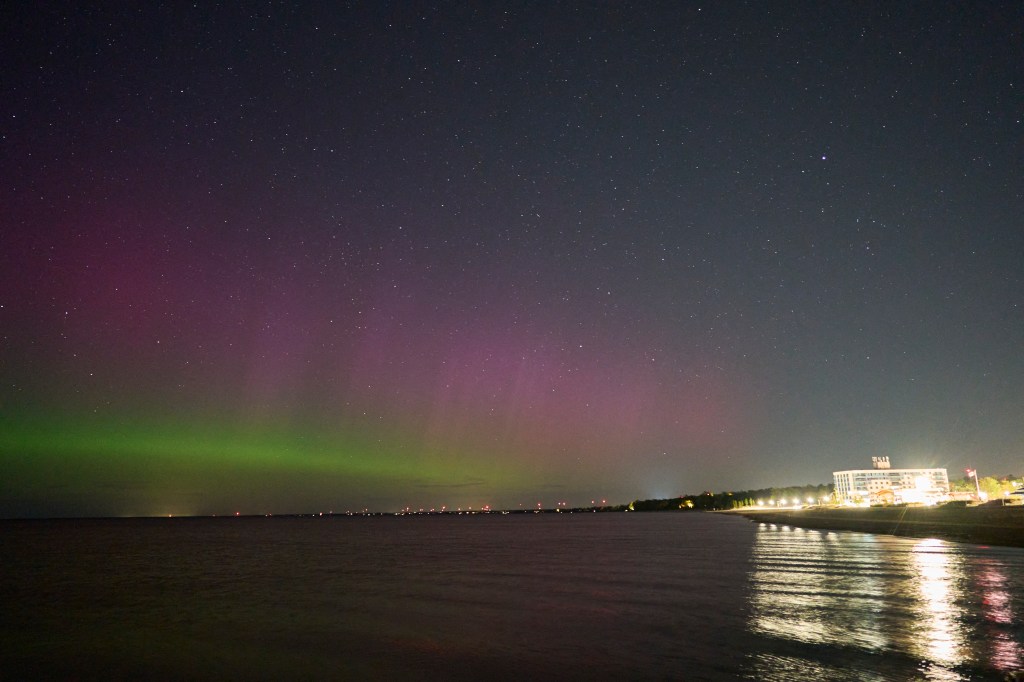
(940, 639)
(808, 597)
(859, 606)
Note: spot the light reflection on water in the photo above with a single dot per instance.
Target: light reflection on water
(828, 604)
(941, 641)
(997, 604)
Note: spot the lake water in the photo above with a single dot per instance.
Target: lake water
(583, 596)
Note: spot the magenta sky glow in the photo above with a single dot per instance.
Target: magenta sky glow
(339, 258)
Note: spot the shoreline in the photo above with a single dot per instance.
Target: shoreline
(1003, 526)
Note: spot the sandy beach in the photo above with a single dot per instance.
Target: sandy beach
(977, 525)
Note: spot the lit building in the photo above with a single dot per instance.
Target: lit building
(884, 485)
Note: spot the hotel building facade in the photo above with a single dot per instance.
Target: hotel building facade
(882, 484)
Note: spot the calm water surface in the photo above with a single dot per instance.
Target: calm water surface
(640, 596)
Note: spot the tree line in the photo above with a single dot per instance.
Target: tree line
(710, 501)
(992, 487)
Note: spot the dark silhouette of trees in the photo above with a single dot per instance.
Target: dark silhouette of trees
(709, 501)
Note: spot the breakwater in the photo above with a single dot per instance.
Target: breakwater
(977, 525)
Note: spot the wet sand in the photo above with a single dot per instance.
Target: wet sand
(977, 525)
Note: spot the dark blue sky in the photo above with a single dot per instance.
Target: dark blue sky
(297, 256)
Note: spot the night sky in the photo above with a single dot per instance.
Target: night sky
(279, 258)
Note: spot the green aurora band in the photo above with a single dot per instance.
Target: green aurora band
(121, 465)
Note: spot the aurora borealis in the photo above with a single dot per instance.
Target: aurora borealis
(296, 258)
